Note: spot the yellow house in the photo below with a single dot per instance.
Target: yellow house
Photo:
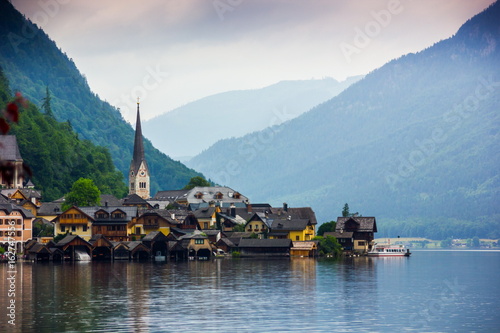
(197, 245)
(27, 198)
(294, 229)
(74, 221)
(259, 223)
(207, 216)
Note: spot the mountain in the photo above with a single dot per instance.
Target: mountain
(54, 155)
(32, 62)
(236, 113)
(415, 143)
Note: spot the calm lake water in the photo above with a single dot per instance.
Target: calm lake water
(432, 291)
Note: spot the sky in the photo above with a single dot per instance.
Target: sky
(169, 53)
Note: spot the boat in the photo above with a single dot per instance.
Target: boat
(388, 250)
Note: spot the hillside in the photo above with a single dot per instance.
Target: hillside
(415, 143)
(236, 113)
(54, 154)
(32, 62)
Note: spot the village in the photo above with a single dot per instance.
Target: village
(200, 223)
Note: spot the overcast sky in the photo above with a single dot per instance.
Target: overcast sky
(173, 52)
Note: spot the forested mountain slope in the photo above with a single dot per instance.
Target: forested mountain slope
(32, 62)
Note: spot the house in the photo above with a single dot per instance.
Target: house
(164, 199)
(44, 252)
(49, 210)
(197, 245)
(362, 229)
(250, 247)
(27, 198)
(304, 249)
(294, 229)
(74, 248)
(74, 221)
(134, 250)
(111, 221)
(214, 194)
(260, 223)
(102, 248)
(16, 225)
(152, 220)
(344, 238)
(206, 216)
(157, 243)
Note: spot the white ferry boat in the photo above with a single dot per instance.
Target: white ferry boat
(388, 250)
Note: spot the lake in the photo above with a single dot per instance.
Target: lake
(431, 291)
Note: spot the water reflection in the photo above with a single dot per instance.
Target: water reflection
(246, 295)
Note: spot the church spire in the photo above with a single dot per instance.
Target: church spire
(138, 156)
(139, 173)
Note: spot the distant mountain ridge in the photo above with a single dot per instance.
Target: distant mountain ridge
(188, 130)
(31, 62)
(414, 143)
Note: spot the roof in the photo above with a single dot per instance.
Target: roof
(288, 225)
(49, 208)
(204, 213)
(366, 224)
(9, 150)
(138, 153)
(170, 195)
(304, 245)
(134, 199)
(254, 243)
(130, 212)
(109, 200)
(296, 212)
(68, 239)
(8, 208)
(209, 194)
(155, 236)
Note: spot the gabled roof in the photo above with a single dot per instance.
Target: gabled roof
(208, 194)
(70, 238)
(366, 223)
(8, 208)
(49, 208)
(156, 236)
(170, 195)
(254, 243)
(304, 245)
(289, 225)
(296, 213)
(129, 211)
(134, 199)
(109, 200)
(204, 213)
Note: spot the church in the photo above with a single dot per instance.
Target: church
(139, 177)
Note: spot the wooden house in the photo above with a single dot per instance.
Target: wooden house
(304, 249)
(362, 229)
(75, 248)
(111, 221)
(157, 243)
(150, 220)
(102, 248)
(250, 247)
(74, 221)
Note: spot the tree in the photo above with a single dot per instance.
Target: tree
(446, 243)
(197, 181)
(46, 103)
(239, 228)
(328, 246)
(83, 193)
(326, 227)
(345, 211)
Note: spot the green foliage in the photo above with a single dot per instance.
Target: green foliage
(197, 181)
(326, 227)
(328, 246)
(41, 229)
(83, 193)
(239, 228)
(57, 157)
(33, 63)
(446, 243)
(235, 254)
(254, 235)
(345, 210)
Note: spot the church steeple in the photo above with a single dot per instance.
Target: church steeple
(139, 172)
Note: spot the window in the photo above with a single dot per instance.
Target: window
(84, 228)
(1, 221)
(18, 222)
(73, 228)
(205, 225)
(361, 243)
(19, 234)
(63, 228)
(1, 233)
(138, 230)
(199, 241)
(297, 238)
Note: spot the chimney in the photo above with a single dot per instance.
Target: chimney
(233, 210)
(106, 204)
(172, 216)
(249, 208)
(285, 206)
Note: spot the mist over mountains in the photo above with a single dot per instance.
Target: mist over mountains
(415, 143)
(188, 130)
